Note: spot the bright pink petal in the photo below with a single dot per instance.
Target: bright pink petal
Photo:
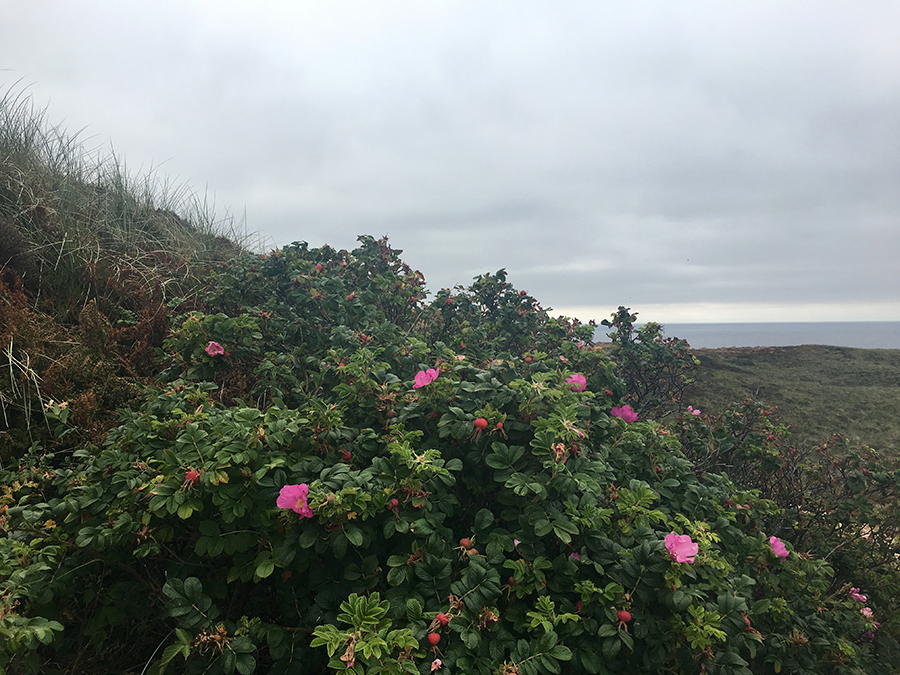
(214, 349)
(294, 497)
(778, 547)
(681, 548)
(424, 377)
(625, 413)
(578, 382)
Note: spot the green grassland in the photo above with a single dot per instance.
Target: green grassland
(819, 390)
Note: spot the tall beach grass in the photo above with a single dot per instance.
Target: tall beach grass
(73, 215)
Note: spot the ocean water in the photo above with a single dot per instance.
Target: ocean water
(865, 335)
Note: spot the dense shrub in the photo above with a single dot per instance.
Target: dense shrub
(335, 474)
(657, 369)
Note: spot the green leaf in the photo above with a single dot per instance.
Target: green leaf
(339, 544)
(246, 664)
(193, 589)
(354, 535)
(561, 653)
(483, 519)
(413, 610)
(681, 600)
(396, 575)
(610, 647)
(171, 652)
(542, 527)
(265, 568)
(606, 630)
(308, 537)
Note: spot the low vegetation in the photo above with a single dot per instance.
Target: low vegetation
(818, 390)
(216, 461)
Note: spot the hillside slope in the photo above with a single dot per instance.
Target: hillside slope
(819, 390)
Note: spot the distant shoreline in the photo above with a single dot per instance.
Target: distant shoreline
(850, 334)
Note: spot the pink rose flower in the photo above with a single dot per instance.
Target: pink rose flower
(578, 382)
(855, 595)
(866, 612)
(294, 497)
(436, 665)
(424, 377)
(692, 411)
(625, 413)
(575, 555)
(778, 547)
(681, 548)
(214, 349)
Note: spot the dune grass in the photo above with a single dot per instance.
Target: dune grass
(87, 246)
(819, 390)
(74, 221)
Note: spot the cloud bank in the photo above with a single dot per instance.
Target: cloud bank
(696, 161)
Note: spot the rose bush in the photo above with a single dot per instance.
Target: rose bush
(342, 492)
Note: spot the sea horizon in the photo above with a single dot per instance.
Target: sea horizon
(854, 334)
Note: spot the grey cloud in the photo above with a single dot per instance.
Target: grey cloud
(600, 152)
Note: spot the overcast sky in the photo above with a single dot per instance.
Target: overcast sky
(695, 161)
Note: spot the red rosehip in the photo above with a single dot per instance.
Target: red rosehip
(578, 606)
(443, 619)
(346, 456)
(527, 359)
(480, 424)
(499, 425)
(192, 477)
(394, 504)
(465, 542)
(318, 268)
(624, 615)
(433, 639)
